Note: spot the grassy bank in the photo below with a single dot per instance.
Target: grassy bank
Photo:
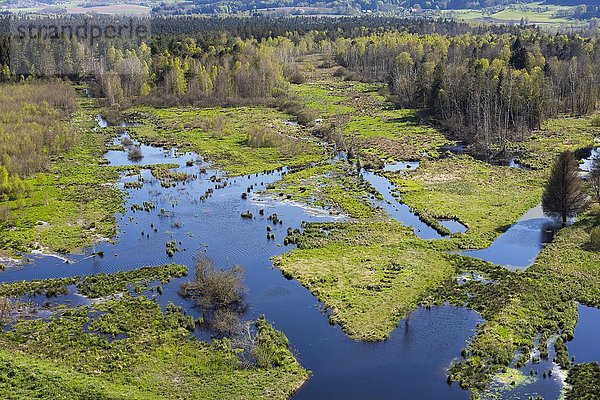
(369, 275)
(556, 135)
(126, 347)
(518, 306)
(239, 140)
(72, 202)
(359, 117)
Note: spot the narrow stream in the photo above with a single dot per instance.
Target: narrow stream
(410, 364)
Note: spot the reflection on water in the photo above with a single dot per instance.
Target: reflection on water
(401, 166)
(587, 163)
(585, 345)
(453, 225)
(519, 246)
(543, 378)
(411, 362)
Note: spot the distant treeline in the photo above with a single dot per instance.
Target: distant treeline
(489, 85)
(487, 89)
(328, 6)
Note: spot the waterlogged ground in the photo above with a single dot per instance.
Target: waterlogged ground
(205, 214)
(412, 360)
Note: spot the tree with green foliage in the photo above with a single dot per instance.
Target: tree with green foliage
(565, 193)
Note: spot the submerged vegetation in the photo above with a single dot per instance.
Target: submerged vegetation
(326, 109)
(123, 347)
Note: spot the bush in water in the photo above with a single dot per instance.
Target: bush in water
(214, 288)
(135, 154)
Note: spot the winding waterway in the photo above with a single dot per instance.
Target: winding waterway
(410, 364)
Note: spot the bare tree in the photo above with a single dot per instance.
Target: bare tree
(565, 193)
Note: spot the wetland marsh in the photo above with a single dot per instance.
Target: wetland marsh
(357, 246)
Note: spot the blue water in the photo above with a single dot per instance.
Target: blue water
(396, 209)
(453, 225)
(585, 345)
(412, 361)
(518, 247)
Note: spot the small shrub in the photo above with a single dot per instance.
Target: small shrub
(259, 136)
(214, 288)
(596, 120)
(135, 154)
(297, 78)
(126, 141)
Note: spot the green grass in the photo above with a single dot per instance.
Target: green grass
(74, 203)
(534, 13)
(394, 135)
(332, 186)
(155, 358)
(126, 347)
(98, 285)
(325, 100)
(227, 147)
(367, 284)
(485, 198)
(557, 135)
(584, 381)
(517, 306)
(369, 123)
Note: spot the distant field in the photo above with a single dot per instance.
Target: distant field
(112, 9)
(534, 13)
(75, 7)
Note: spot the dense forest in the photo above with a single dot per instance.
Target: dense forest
(486, 89)
(488, 86)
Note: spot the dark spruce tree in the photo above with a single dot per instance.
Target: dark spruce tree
(565, 193)
(595, 178)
